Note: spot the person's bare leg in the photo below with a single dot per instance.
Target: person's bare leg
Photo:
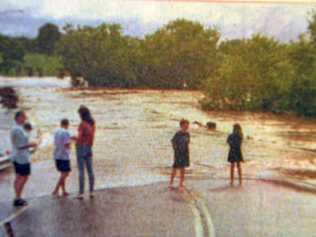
(20, 185)
(16, 184)
(56, 190)
(182, 174)
(63, 183)
(239, 173)
(172, 176)
(232, 169)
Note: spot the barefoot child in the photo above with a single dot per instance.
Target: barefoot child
(235, 156)
(180, 144)
(62, 156)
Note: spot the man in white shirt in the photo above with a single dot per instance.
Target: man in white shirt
(21, 156)
(62, 141)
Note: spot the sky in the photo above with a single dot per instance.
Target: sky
(284, 21)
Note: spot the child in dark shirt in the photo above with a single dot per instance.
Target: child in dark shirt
(235, 156)
(180, 143)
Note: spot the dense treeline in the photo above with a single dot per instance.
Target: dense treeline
(258, 73)
(181, 53)
(262, 74)
(21, 56)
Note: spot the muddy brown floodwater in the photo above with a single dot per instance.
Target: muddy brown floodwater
(134, 128)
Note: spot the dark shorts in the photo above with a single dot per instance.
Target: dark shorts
(22, 169)
(63, 165)
(181, 160)
(235, 156)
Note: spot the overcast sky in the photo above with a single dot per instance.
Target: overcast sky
(139, 17)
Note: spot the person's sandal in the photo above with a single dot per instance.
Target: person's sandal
(20, 203)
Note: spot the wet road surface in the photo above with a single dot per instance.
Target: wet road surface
(140, 211)
(208, 208)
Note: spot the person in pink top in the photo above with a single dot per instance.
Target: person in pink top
(84, 146)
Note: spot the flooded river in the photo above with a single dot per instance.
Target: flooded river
(134, 128)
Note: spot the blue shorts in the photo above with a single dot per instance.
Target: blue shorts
(63, 165)
(22, 169)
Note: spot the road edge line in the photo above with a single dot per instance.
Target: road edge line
(203, 209)
(7, 221)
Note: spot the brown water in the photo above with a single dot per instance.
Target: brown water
(134, 128)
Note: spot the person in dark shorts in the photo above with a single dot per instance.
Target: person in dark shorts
(62, 141)
(180, 143)
(20, 156)
(235, 156)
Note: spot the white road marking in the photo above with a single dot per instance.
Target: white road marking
(199, 230)
(14, 215)
(200, 210)
(209, 222)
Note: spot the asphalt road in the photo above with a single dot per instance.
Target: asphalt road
(208, 208)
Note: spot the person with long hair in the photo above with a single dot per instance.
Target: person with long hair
(84, 146)
(235, 156)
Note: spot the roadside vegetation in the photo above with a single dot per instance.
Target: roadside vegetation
(255, 74)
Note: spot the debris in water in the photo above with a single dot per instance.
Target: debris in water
(8, 98)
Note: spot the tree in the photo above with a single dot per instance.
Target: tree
(43, 64)
(303, 91)
(101, 55)
(47, 38)
(29, 45)
(182, 52)
(254, 74)
(12, 54)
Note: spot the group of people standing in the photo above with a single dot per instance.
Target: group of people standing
(22, 150)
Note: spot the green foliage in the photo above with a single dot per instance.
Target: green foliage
(303, 91)
(262, 74)
(254, 74)
(19, 55)
(47, 65)
(101, 55)
(12, 54)
(47, 38)
(258, 73)
(29, 45)
(303, 96)
(182, 52)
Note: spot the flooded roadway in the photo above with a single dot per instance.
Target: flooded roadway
(134, 128)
